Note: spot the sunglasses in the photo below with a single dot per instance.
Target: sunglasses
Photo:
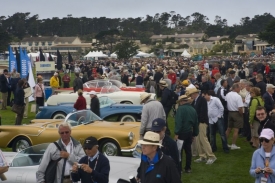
(264, 139)
(66, 132)
(157, 131)
(87, 148)
(260, 114)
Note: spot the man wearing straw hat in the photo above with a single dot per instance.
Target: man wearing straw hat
(151, 110)
(203, 145)
(186, 127)
(155, 166)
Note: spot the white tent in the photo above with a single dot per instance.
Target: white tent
(142, 54)
(185, 54)
(113, 55)
(95, 54)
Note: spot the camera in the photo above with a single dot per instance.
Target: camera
(79, 165)
(262, 171)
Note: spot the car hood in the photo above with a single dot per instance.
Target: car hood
(116, 125)
(127, 106)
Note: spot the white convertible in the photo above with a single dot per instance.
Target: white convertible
(23, 165)
(113, 92)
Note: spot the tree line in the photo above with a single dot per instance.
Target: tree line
(20, 25)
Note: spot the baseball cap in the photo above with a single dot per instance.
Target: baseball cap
(185, 83)
(270, 86)
(92, 93)
(267, 133)
(158, 124)
(90, 142)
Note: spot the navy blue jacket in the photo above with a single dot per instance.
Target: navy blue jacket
(14, 82)
(166, 98)
(268, 102)
(4, 83)
(19, 98)
(139, 80)
(100, 173)
(202, 109)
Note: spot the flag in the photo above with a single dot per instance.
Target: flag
(12, 60)
(18, 61)
(46, 58)
(23, 64)
(70, 58)
(41, 56)
(50, 57)
(59, 61)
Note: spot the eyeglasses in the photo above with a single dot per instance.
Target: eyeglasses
(264, 139)
(260, 114)
(87, 148)
(66, 132)
(157, 131)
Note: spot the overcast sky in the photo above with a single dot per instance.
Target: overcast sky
(232, 10)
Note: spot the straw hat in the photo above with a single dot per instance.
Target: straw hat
(190, 91)
(163, 83)
(150, 138)
(183, 98)
(144, 96)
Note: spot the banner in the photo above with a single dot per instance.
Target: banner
(45, 66)
(12, 60)
(23, 64)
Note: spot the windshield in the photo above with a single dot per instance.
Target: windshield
(81, 117)
(109, 89)
(30, 156)
(116, 83)
(96, 84)
(105, 101)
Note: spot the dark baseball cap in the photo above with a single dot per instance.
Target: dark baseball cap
(158, 124)
(90, 142)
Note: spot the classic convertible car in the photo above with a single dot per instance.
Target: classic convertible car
(113, 92)
(23, 165)
(96, 85)
(114, 138)
(108, 109)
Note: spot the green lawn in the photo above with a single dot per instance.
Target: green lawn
(228, 168)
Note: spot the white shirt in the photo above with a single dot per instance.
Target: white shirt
(217, 85)
(206, 65)
(222, 92)
(247, 99)
(69, 149)
(216, 109)
(234, 101)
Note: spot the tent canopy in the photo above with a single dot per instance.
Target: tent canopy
(113, 55)
(95, 54)
(142, 54)
(186, 54)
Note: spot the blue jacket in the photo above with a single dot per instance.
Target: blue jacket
(258, 160)
(268, 102)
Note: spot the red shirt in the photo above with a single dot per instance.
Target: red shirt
(267, 69)
(66, 79)
(172, 77)
(80, 103)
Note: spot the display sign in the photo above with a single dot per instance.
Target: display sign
(24, 64)
(44, 66)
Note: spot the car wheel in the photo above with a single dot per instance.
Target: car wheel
(128, 118)
(109, 147)
(20, 143)
(59, 115)
(126, 102)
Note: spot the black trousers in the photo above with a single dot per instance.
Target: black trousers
(187, 138)
(167, 110)
(66, 85)
(246, 126)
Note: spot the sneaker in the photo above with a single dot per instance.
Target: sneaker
(233, 147)
(228, 145)
(200, 160)
(188, 171)
(211, 160)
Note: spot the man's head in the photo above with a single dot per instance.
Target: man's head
(144, 97)
(192, 92)
(64, 130)
(217, 76)
(270, 88)
(248, 85)
(207, 94)
(90, 146)
(236, 87)
(259, 77)
(203, 79)
(150, 143)
(5, 72)
(162, 84)
(261, 113)
(159, 126)
(224, 83)
(232, 73)
(92, 94)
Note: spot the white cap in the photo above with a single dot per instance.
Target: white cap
(92, 93)
(267, 133)
(270, 86)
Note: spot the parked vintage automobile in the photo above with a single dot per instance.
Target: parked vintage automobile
(96, 85)
(108, 109)
(23, 165)
(114, 138)
(113, 92)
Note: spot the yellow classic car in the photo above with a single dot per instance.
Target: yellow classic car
(115, 138)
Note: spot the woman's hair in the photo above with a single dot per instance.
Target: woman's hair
(256, 91)
(80, 92)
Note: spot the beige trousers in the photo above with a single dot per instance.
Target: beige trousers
(203, 145)
(4, 100)
(67, 181)
(26, 107)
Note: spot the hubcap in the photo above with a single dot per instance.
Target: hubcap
(128, 119)
(59, 117)
(22, 144)
(110, 149)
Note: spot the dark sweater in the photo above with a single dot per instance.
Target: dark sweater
(19, 96)
(139, 80)
(80, 103)
(202, 109)
(262, 86)
(95, 106)
(100, 173)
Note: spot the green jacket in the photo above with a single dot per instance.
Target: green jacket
(253, 106)
(186, 120)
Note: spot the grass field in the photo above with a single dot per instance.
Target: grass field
(228, 168)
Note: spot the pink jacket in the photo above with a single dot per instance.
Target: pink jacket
(37, 90)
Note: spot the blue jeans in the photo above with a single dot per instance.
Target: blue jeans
(219, 124)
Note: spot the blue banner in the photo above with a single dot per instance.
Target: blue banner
(12, 60)
(27, 58)
(24, 64)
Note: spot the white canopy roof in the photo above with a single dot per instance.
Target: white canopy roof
(114, 55)
(142, 54)
(186, 54)
(96, 54)
(37, 55)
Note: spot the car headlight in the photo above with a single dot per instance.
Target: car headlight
(131, 136)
